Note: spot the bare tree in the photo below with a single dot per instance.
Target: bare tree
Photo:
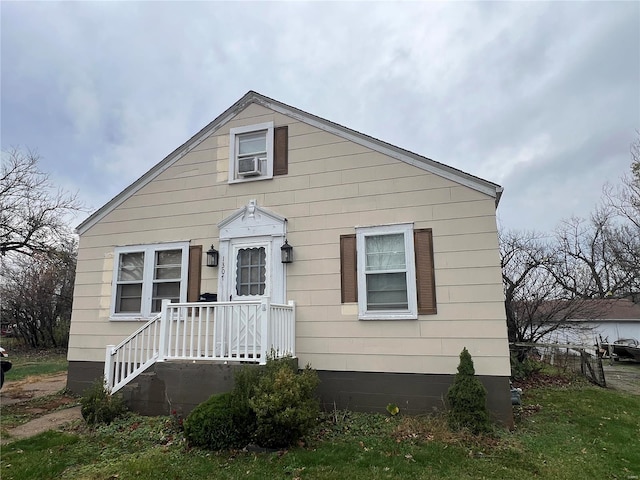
(624, 198)
(536, 303)
(596, 258)
(37, 293)
(32, 210)
(635, 158)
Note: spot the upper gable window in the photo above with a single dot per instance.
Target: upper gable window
(251, 153)
(258, 152)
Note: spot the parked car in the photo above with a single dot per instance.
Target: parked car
(5, 365)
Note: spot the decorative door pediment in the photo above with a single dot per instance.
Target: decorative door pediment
(252, 221)
(248, 231)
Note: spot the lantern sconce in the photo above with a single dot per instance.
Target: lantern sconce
(286, 251)
(212, 257)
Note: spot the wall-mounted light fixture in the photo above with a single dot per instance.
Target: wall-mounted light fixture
(286, 251)
(212, 257)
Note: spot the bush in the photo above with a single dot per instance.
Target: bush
(521, 370)
(218, 424)
(284, 404)
(273, 406)
(467, 399)
(99, 406)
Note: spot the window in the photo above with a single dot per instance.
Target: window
(147, 274)
(388, 270)
(257, 152)
(251, 271)
(251, 153)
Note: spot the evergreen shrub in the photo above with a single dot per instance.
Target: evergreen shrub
(284, 404)
(218, 424)
(467, 399)
(97, 405)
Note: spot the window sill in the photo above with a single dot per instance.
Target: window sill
(255, 178)
(388, 316)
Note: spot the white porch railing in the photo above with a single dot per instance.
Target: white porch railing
(213, 331)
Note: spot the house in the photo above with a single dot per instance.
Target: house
(395, 269)
(601, 319)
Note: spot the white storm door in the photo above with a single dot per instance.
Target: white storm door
(249, 280)
(250, 271)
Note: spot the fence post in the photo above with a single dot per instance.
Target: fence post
(265, 322)
(164, 331)
(108, 368)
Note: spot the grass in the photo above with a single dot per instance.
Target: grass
(564, 430)
(28, 363)
(561, 432)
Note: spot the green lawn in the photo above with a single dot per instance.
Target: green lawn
(561, 433)
(33, 363)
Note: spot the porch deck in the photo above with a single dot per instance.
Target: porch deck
(204, 331)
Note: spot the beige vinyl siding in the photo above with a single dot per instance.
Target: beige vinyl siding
(333, 185)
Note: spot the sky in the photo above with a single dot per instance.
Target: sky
(541, 98)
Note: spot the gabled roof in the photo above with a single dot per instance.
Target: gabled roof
(489, 188)
(583, 310)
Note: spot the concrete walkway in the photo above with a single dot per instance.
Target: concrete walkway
(28, 389)
(50, 421)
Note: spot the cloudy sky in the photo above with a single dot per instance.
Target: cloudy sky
(542, 98)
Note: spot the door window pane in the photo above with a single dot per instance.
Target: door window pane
(251, 271)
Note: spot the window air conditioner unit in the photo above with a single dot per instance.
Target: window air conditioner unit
(249, 166)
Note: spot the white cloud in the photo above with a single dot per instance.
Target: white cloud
(540, 97)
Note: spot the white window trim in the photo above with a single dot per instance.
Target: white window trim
(411, 313)
(233, 161)
(147, 279)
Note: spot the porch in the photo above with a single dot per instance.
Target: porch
(223, 332)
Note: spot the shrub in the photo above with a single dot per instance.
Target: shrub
(99, 406)
(217, 424)
(521, 370)
(284, 404)
(467, 399)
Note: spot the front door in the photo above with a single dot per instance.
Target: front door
(250, 271)
(248, 279)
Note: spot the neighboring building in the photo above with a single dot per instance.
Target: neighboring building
(395, 268)
(607, 319)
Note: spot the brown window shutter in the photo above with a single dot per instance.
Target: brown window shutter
(193, 279)
(348, 268)
(281, 150)
(425, 271)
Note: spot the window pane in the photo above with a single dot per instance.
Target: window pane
(166, 290)
(252, 143)
(131, 266)
(251, 271)
(129, 298)
(168, 264)
(385, 252)
(387, 291)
